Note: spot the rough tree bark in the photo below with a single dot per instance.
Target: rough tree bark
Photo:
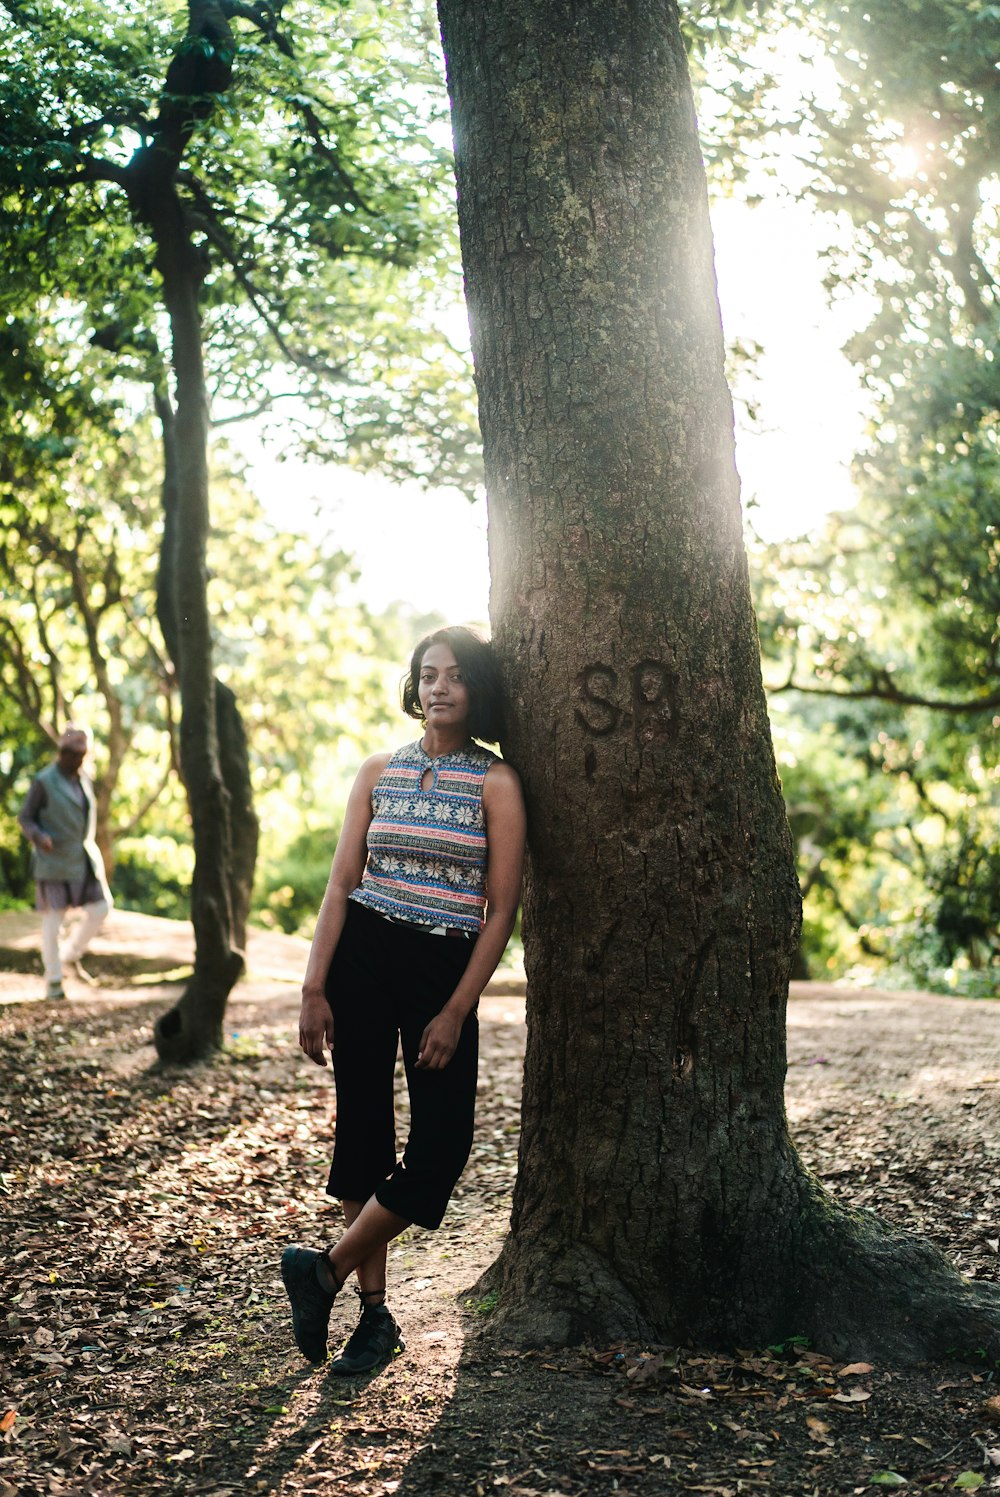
(214, 760)
(658, 1192)
(234, 757)
(212, 745)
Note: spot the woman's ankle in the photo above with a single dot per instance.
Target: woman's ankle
(327, 1273)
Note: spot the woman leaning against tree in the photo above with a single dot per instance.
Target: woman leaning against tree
(419, 907)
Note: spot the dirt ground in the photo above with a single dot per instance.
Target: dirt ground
(143, 1338)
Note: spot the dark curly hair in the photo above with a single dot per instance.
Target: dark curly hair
(480, 673)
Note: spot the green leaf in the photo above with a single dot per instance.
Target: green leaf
(970, 1480)
(888, 1479)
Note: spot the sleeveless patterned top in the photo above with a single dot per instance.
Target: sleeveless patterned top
(427, 848)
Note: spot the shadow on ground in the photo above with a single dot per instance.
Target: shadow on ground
(145, 1345)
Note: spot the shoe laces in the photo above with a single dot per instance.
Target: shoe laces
(363, 1296)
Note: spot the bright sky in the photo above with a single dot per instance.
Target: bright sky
(794, 460)
(427, 548)
(430, 548)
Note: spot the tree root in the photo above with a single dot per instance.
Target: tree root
(192, 1029)
(865, 1290)
(852, 1287)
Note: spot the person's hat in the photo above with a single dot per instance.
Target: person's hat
(71, 735)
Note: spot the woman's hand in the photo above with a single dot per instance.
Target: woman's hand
(503, 803)
(315, 1027)
(316, 1020)
(439, 1042)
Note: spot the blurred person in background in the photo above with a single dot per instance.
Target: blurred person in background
(59, 819)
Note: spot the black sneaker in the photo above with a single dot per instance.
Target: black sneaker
(311, 1303)
(375, 1340)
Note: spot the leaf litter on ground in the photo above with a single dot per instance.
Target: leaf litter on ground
(143, 1336)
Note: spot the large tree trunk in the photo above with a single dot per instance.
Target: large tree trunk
(658, 1191)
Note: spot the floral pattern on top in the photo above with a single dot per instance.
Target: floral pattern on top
(427, 848)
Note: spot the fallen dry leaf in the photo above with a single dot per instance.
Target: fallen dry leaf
(818, 1430)
(990, 1410)
(647, 1368)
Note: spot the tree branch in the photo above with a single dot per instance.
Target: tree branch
(135, 119)
(91, 169)
(261, 304)
(258, 410)
(199, 72)
(314, 125)
(58, 700)
(25, 688)
(265, 17)
(209, 221)
(150, 801)
(886, 692)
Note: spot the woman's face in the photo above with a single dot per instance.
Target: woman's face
(444, 698)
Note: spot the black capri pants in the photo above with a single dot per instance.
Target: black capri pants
(386, 982)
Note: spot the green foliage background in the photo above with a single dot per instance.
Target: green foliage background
(334, 275)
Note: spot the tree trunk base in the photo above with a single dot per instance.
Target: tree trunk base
(192, 1030)
(850, 1286)
(867, 1291)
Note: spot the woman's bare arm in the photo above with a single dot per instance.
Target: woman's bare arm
(503, 804)
(316, 1020)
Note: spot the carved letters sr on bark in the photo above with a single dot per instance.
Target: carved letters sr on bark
(645, 702)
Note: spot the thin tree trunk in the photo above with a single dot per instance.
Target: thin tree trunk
(244, 827)
(658, 1190)
(213, 752)
(233, 750)
(224, 809)
(194, 1026)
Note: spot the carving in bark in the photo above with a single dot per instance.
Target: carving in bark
(659, 1193)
